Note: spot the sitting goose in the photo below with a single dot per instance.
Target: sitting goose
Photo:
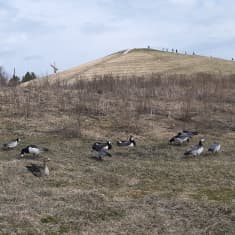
(100, 149)
(214, 148)
(11, 144)
(182, 137)
(179, 139)
(190, 133)
(97, 146)
(196, 149)
(127, 143)
(39, 171)
(33, 149)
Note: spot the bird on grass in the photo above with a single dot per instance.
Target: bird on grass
(179, 139)
(182, 137)
(11, 144)
(196, 150)
(190, 133)
(214, 148)
(39, 171)
(33, 149)
(101, 149)
(127, 143)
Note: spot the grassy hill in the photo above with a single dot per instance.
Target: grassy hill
(144, 62)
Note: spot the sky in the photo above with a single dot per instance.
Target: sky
(36, 33)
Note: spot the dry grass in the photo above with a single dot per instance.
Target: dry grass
(150, 189)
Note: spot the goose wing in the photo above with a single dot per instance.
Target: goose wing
(123, 143)
(34, 169)
(214, 147)
(192, 149)
(98, 146)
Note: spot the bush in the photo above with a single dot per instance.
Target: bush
(28, 77)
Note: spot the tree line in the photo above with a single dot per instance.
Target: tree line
(14, 80)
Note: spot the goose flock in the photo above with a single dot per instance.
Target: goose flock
(101, 149)
(36, 170)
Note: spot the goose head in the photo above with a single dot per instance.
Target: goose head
(201, 141)
(109, 144)
(23, 151)
(45, 160)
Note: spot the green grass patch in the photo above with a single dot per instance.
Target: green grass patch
(49, 220)
(222, 195)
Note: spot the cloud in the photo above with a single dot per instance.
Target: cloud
(184, 2)
(33, 57)
(35, 33)
(97, 28)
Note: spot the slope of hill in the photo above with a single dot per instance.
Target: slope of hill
(143, 62)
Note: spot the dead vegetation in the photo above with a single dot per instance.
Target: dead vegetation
(150, 189)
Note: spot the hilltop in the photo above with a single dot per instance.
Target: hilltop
(144, 62)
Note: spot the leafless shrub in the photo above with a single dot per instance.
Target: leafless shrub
(186, 97)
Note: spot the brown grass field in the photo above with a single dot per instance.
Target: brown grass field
(150, 189)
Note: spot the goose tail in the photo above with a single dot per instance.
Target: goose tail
(187, 153)
(44, 149)
(119, 142)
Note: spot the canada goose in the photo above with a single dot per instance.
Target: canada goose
(100, 149)
(125, 143)
(214, 148)
(196, 149)
(39, 171)
(11, 144)
(33, 149)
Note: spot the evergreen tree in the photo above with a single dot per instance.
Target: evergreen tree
(28, 76)
(3, 77)
(14, 81)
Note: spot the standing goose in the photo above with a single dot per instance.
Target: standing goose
(33, 149)
(196, 150)
(214, 148)
(127, 143)
(39, 171)
(101, 149)
(11, 144)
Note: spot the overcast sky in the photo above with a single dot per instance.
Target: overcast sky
(34, 33)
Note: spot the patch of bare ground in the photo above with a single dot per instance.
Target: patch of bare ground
(150, 189)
